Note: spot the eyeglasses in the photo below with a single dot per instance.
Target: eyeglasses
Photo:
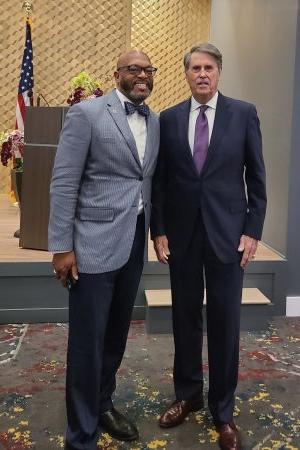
(137, 70)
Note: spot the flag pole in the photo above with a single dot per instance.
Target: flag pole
(28, 8)
(25, 93)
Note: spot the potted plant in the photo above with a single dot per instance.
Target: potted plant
(83, 87)
(12, 147)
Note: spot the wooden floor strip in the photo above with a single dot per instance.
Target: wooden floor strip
(9, 245)
(10, 251)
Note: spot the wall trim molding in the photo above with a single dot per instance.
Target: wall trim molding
(292, 306)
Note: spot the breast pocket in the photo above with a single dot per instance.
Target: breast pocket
(96, 214)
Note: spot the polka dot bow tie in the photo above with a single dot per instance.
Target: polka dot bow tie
(131, 108)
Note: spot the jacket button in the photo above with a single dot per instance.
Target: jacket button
(140, 178)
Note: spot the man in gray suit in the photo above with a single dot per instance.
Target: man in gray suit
(99, 219)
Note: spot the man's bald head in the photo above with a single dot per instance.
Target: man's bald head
(127, 56)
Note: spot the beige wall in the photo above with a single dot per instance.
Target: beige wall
(72, 36)
(68, 37)
(166, 29)
(258, 41)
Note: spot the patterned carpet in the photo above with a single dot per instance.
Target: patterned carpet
(32, 372)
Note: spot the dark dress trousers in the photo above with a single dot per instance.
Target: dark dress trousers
(100, 309)
(203, 217)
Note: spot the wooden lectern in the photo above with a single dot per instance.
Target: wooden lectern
(42, 129)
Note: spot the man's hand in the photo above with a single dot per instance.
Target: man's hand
(65, 263)
(161, 248)
(248, 246)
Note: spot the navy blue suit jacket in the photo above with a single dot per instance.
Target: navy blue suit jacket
(230, 192)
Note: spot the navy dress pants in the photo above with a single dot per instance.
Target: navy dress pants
(197, 269)
(100, 308)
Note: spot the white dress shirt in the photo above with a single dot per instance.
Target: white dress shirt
(138, 126)
(210, 114)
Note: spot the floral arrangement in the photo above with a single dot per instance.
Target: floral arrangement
(12, 147)
(83, 87)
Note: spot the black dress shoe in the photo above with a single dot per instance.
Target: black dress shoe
(118, 426)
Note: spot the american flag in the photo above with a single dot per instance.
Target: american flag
(26, 80)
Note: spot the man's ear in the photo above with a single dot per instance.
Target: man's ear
(116, 76)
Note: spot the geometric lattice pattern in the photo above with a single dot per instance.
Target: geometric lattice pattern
(68, 37)
(165, 30)
(72, 36)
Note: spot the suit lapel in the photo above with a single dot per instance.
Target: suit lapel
(222, 118)
(151, 131)
(183, 117)
(117, 113)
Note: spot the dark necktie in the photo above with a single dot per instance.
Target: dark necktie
(201, 139)
(131, 108)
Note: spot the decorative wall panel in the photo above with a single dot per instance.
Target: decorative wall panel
(165, 30)
(72, 36)
(68, 37)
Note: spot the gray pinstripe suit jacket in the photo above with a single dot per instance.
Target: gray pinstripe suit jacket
(96, 184)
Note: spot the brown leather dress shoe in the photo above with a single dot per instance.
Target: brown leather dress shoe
(177, 412)
(229, 438)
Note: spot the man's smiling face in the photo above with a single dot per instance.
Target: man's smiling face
(135, 87)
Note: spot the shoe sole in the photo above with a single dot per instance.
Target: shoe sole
(118, 438)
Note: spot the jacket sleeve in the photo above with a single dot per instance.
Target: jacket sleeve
(255, 178)
(69, 164)
(157, 226)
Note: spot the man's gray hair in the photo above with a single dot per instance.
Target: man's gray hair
(206, 47)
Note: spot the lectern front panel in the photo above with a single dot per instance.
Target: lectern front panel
(43, 125)
(38, 164)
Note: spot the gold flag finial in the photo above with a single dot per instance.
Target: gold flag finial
(28, 7)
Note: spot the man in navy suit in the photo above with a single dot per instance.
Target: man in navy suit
(208, 209)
